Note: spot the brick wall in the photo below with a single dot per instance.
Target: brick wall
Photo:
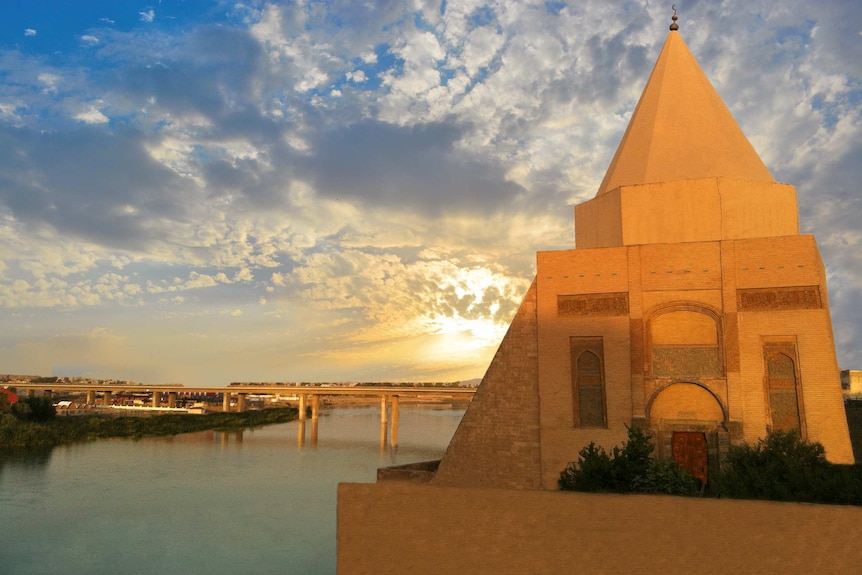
(497, 442)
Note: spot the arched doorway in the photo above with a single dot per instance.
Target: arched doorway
(688, 421)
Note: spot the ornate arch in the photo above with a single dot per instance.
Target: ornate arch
(706, 361)
(661, 388)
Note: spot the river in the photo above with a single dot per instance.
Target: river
(200, 503)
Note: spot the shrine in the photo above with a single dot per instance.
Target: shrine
(691, 306)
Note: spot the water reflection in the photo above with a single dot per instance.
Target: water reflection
(35, 459)
(252, 501)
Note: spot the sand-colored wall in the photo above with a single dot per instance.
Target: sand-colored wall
(521, 429)
(788, 262)
(580, 272)
(757, 209)
(851, 382)
(671, 212)
(497, 442)
(683, 211)
(598, 223)
(398, 528)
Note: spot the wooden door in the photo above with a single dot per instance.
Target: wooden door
(690, 453)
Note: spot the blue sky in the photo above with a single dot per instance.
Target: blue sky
(206, 192)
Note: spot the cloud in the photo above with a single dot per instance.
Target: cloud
(30, 32)
(50, 81)
(416, 168)
(92, 115)
(49, 180)
(381, 174)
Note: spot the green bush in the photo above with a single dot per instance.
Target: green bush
(593, 472)
(665, 476)
(38, 409)
(629, 469)
(783, 467)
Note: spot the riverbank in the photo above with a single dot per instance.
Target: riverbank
(16, 434)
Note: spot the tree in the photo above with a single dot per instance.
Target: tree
(38, 409)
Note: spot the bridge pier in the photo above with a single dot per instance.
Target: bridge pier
(383, 421)
(300, 433)
(393, 437)
(315, 407)
(302, 399)
(225, 404)
(106, 397)
(91, 397)
(172, 399)
(240, 402)
(157, 398)
(314, 423)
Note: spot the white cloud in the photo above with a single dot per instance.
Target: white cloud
(357, 76)
(89, 39)
(92, 115)
(29, 32)
(149, 16)
(50, 81)
(9, 112)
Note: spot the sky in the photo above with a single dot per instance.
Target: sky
(203, 192)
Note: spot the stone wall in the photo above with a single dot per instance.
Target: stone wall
(497, 441)
(399, 527)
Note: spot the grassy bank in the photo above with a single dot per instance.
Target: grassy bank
(17, 434)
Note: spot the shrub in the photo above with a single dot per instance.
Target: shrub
(628, 469)
(593, 472)
(665, 476)
(783, 467)
(38, 409)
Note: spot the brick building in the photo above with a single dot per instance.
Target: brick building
(691, 306)
(851, 383)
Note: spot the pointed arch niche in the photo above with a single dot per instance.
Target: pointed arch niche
(783, 386)
(588, 382)
(684, 340)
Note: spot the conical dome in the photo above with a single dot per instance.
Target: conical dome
(681, 130)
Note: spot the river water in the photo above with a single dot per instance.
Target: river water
(201, 503)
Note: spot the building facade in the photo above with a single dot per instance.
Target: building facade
(851, 383)
(691, 306)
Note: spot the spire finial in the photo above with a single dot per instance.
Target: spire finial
(674, 26)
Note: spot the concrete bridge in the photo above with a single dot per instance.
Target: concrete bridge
(307, 396)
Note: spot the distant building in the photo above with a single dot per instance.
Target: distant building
(851, 383)
(12, 397)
